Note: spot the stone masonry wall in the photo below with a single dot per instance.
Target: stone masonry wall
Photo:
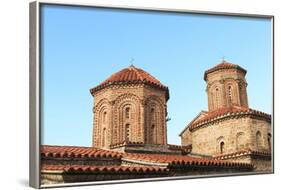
(235, 133)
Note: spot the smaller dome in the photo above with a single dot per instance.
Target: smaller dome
(131, 75)
(224, 65)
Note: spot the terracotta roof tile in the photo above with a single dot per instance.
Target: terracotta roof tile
(223, 65)
(130, 75)
(225, 112)
(74, 151)
(242, 153)
(184, 149)
(71, 151)
(181, 160)
(87, 168)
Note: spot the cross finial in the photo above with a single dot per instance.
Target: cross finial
(132, 61)
(223, 58)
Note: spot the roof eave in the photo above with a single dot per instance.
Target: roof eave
(214, 69)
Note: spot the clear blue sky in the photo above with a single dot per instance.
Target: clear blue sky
(81, 47)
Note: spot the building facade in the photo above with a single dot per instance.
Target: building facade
(130, 107)
(130, 133)
(229, 126)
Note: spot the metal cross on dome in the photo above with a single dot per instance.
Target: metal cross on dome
(132, 61)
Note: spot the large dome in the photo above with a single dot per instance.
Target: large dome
(131, 75)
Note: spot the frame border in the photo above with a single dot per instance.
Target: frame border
(35, 90)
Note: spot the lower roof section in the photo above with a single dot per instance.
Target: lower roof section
(58, 153)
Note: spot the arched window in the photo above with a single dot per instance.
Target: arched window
(222, 147)
(152, 113)
(127, 132)
(217, 97)
(258, 140)
(152, 133)
(104, 117)
(103, 136)
(127, 113)
(229, 93)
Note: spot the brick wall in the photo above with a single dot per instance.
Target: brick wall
(226, 88)
(135, 113)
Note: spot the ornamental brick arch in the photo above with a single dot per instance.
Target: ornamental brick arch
(103, 126)
(126, 122)
(99, 105)
(101, 129)
(242, 88)
(155, 128)
(231, 92)
(221, 145)
(215, 95)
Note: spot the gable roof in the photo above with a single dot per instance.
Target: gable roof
(224, 113)
(199, 115)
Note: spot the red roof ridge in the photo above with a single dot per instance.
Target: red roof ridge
(137, 72)
(64, 146)
(225, 112)
(193, 120)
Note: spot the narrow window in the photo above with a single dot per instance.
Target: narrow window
(222, 147)
(127, 112)
(230, 94)
(127, 132)
(217, 98)
(152, 113)
(103, 136)
(104, 117)
(152, 133)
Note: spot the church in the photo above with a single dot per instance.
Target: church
(129, 138)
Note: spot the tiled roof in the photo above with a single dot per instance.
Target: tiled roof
(185, 149)
(130, 75)
(223, 65)
(127, 143)
(99, 169)
(88, 152)
(226, 112)
(242, 153)
(180, 160)
(74, 151)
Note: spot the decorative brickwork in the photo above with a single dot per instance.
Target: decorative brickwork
(130, 110)
(130, 106)
(229, 126)
(226, 86)
(63, 164)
